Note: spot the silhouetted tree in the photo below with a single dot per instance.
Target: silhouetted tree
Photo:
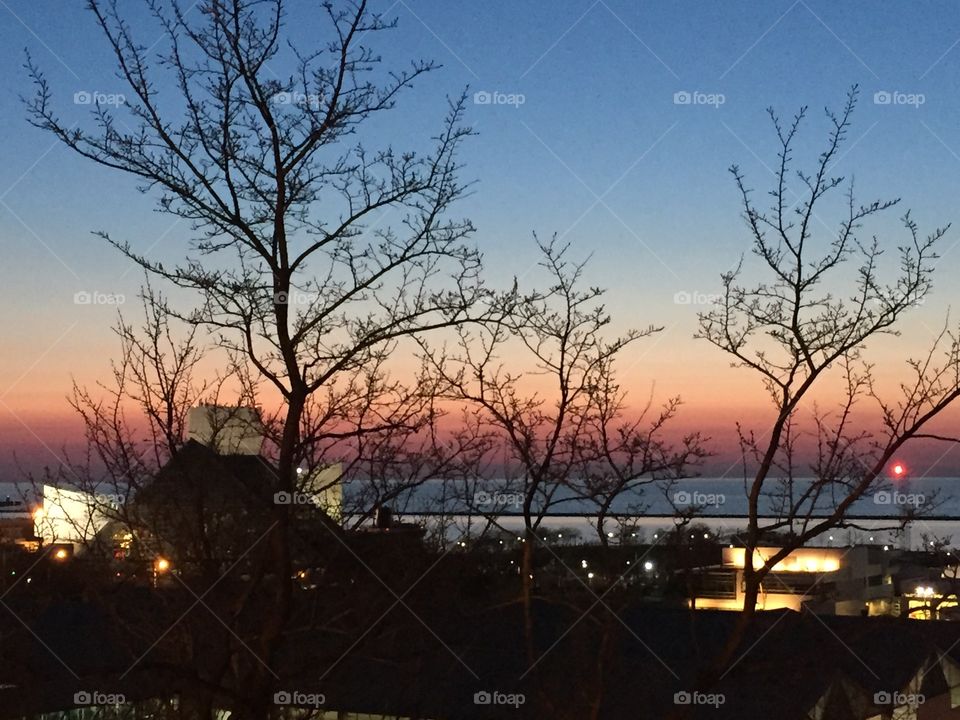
(312, 255)
(806, 319)
(543, 382)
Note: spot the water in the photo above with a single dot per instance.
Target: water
(720, 503)
(712, 497)
(18, 492)
(716, 497)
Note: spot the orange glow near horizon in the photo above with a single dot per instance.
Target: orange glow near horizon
(37, 424)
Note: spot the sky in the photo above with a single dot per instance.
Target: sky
(587, 135)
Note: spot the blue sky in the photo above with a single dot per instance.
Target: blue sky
(598, 151)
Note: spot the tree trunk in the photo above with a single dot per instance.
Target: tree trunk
(526, 584)
(278, 578)
(721, 664)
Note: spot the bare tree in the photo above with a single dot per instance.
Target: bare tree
(134, 424)
(806, 321)
(621, 455)
(311, 253)
(543, 381)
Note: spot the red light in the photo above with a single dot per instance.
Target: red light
(899, 469)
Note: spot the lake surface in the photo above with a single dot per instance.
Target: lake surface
(720, 504)
(717, 497)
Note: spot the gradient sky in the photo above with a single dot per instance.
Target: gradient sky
(598, 152)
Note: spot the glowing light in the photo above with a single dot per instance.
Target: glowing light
(648, 566)
(899, 469)
(162, 565)
(39, 514)
(61, 554)
(590, 576)
(811, 560)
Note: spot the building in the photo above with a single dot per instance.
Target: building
(228, 430)
(859, 580)
(73, 517)
(16, 523)
(805, 575)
